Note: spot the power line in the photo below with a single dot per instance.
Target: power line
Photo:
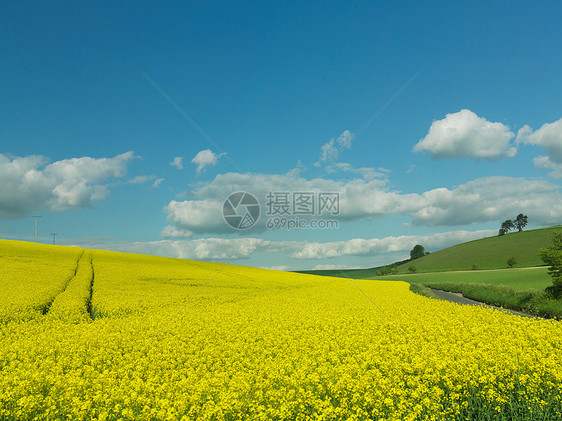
(54, 234)
(36, 218)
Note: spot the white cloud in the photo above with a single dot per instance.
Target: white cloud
(141, 179)
(197, 215)
(177, 162)
(480, 200)
(283, 268)
(464, 134)
(387, 245)
(29, 184)
(384, 250)
(333, 267)
(548, 137)
(204, 214)
(545, 163)
(367, 173)
(173, 232)
(205, 158)
(297, 171)
(200, 249)
(490, 199)
(331, 150)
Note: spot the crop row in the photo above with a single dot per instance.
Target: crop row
(72, 304)
(175, 339)
(31, 276)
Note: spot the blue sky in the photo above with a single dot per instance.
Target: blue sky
(464, 103)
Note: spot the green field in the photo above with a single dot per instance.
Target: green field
(523, 279)
(487, 253)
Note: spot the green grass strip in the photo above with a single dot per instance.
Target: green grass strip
(537, 303)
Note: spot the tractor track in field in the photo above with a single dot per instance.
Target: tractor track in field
(48, 305)
(89, 309)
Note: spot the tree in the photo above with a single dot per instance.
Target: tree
(412, 269)
(385, 270)
(507, 226)
(552, 256)
(511, 261)
(417, 252)
(520, 222)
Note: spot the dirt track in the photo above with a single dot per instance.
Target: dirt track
(454, 297)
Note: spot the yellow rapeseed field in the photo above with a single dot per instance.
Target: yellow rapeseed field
(101, 335)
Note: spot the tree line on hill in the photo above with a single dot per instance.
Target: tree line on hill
(417, 252)
(519, 222)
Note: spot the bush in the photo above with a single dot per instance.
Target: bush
(511, 261)
(422, 290)
(474, 267)
(413, 268)
(385, 270)
(552, 256)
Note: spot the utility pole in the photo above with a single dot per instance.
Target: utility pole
(36, 217)
(54, 234)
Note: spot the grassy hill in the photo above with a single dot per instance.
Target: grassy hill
(485, 253)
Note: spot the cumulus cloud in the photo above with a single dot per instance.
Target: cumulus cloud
(173, 232)
(204, 213)
(385, 249)
(331, 150)
(545, 163)
(157, 183)
(141, 179)
(464, 134)
(367, 173)
(177, 162)
(30, 183)
(205, 158)
(200, 249)
(548, 137)
(197, 215)
(481, 200)
(283, 268)
(386, 245)
(490, 199)
(333, 267)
